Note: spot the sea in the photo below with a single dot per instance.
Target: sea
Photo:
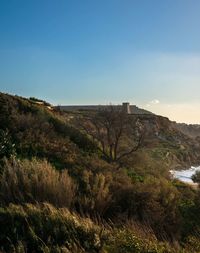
(185, 175)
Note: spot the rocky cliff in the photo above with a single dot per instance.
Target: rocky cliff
(192, 130)
(167, 142)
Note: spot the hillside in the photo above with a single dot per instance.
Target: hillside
(175, 147)
(59, 168)
(192, 130)
(38, 130)
(163, 142)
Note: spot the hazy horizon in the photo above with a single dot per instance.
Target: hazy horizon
(144, 52)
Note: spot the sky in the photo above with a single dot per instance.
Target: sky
(146, 52)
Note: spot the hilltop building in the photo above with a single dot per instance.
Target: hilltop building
(129, 109)
(126, 107)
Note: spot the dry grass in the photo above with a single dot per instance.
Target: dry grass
(44, 228)
(35, 181)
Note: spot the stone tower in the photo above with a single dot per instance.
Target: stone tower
(126, 108)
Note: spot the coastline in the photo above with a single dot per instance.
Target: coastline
(185, 175)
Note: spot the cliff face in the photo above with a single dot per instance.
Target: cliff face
(166, 142)
(192, 130)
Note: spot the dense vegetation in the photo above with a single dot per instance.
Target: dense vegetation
(65, 187)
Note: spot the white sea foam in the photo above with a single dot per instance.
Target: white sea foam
(185, 175)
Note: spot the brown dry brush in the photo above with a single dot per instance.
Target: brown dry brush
(35, 181)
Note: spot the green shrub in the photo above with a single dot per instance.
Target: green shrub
(192, 244)
(75, 135)
(124, 240)
(7, 148)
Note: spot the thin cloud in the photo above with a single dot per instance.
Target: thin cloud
(155, 102)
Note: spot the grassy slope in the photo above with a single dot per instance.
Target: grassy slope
(39, 132)
(43, 228)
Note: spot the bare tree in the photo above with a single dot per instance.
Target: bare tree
(117, 133)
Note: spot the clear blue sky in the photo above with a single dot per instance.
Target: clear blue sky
(100, 51)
